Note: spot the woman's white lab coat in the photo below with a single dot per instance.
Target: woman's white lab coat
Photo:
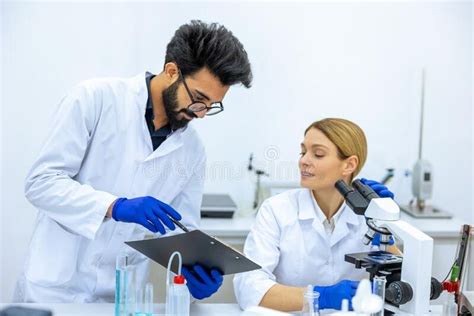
(290, 242)
(99, 149)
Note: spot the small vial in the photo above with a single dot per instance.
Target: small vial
(310, 302)
(378, 288)
(144, 301)
(149, 299)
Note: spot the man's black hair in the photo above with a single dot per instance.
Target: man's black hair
(198, 44)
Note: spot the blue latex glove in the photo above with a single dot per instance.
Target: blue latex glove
(200, 282)
(146, 211)
(376, 240)
(379, 188)
(332, 296)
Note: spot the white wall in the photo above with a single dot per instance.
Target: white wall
(360, 61)
(2, 270)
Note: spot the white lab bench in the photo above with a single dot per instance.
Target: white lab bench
(108, 309)
(235, 230)
(159, 309)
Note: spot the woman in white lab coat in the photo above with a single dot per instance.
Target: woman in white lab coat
(300, 236)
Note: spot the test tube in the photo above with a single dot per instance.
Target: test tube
(144, 301)
(121, 264)
(378, 288)
(148, 306)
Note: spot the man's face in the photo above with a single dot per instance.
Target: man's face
(203, 86)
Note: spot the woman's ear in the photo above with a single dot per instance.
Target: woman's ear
(350, 165)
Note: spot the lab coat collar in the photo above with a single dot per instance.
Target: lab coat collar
(139, 87)
(174, 140)
(308, 209)
(341, 230)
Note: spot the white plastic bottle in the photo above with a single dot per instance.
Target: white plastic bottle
(177, 293)
(450, 308)
(178, 300)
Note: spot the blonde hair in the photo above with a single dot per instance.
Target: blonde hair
(348, 137)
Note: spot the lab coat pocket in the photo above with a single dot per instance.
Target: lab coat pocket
(53, 254)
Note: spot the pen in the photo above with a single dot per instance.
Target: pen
(177, 223)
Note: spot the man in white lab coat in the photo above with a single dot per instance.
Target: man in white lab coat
(120, 160)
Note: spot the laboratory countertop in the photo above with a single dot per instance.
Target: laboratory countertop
(159, 309)
(108, 309)
(240, 226)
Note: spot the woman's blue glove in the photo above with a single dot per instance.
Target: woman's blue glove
(146, 211)
(201, 283)
(332, 296)
(376, 240)
(379, 188)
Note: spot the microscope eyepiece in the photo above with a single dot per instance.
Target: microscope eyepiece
(343, 187)
(365, 190)
(353, 198)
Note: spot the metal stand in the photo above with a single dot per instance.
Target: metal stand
(419, 210)
(259, 173)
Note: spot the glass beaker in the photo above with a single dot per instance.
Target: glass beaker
(310, 302)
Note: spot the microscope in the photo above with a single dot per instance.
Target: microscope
(409, 283)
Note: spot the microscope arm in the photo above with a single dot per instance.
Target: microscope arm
(417, 261)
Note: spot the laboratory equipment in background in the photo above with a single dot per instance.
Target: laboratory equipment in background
(409, 283)
(217, 206)
(457, 302)
(467, 303)
(310, 302)
(388, 176)
(422, 177)
(259, 173)
(177, 295)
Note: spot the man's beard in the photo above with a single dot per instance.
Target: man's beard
(170, 103)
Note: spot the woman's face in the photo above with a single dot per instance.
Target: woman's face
(320, 166)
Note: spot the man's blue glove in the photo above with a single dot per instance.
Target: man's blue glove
(379, 188)
(376, 240)
(201, 283)
(332, 296)
(146, 211)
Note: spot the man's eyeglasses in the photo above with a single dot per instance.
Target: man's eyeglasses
(198, 106)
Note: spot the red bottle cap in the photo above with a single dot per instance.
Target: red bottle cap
(451, 286)
(178, 279)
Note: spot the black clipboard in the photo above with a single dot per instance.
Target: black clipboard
(195, 247)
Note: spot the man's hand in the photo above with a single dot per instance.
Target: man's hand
(202, 283)
(146, 211)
